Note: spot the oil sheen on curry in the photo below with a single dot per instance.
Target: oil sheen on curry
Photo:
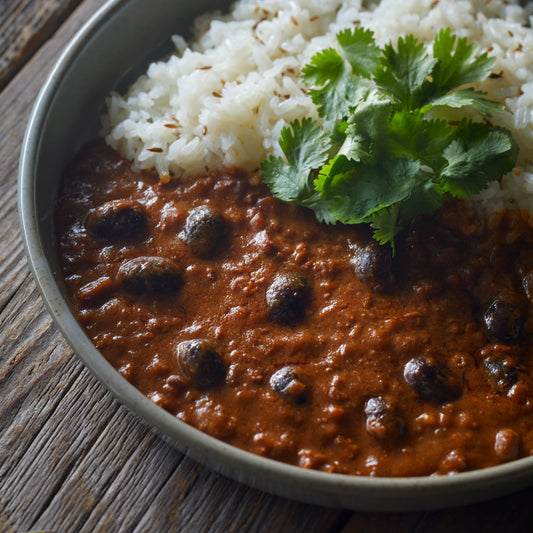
(309, 344)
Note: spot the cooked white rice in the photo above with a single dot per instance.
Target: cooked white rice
(222, 100)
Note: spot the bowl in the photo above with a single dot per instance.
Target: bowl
(113, 47)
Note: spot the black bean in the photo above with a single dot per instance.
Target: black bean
(382, 419)
(156, 275)
(503, 321)
(288, 297)
(287, 383)
(117, 219)
(205, 231)
(431, 380)
(373, 265)
(201, 363)
(502, 372)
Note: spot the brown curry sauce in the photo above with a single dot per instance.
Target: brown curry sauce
(298, 341)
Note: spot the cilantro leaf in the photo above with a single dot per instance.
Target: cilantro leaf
(461, 65)
(384, 223)
(337, 99)
(325, 67)
(306, 147)
(368, 122)
(338, 90)
(355, 195)
(410, 133)
(335, 171)
(477, 155)
(425, 198)
(378, 158)
(466, 97)
(405, 72)
(360, 50)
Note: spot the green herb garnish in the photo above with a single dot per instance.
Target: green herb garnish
(384, 153)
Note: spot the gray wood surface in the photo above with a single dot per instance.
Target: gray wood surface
(24, 26)
(71, 457)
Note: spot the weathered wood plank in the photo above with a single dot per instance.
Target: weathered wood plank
(24, 26)
(73, 459)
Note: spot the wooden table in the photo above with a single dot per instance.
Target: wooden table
(72, 458)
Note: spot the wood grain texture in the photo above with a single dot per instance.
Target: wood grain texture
(72, 458)
(24, 26)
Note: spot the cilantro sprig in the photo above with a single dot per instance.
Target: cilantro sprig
(383, 152)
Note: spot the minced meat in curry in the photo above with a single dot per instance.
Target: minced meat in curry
(310, 344)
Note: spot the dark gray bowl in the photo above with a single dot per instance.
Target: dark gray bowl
(110, 50)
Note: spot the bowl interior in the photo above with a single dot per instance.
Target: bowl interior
(110, 51)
